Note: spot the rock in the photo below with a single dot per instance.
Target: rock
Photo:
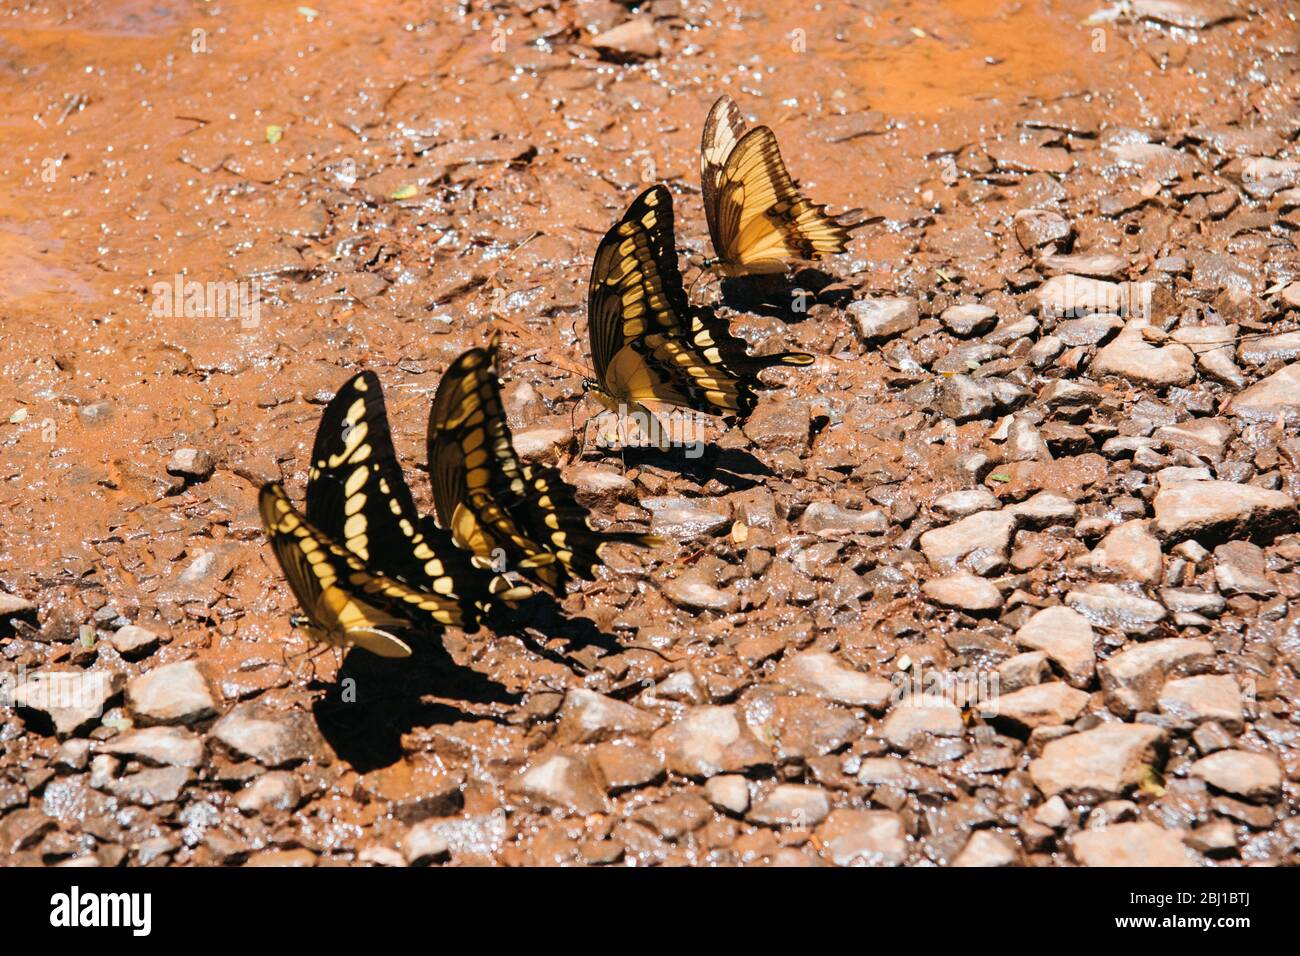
(1253, 776)
(728, 792)
(1108, 605)
(563, 781)
(599, 488)
(909, 719)
(1218, 837)
(1241, 568)
(1079, 295)
(1044, 509)
(151, 786)
(23, 829)
(1206, 697)
(1192, 601)
(1039, 227)
(986, 848)
(1015, 673)
(1132, 680)
(884, 317)
(982, 536)
(1054, 813)
(1098, 764)
(1284, 347)
(822, 675)
(1131, 357)
(134, 642)
(587, 717)
(629, 42)
(708, 741)
(792, 804)
(542, 443)
(1220, 509)
(272, 738)
(1096, 265)
(166, 746)
(1129, 551)
(69, 700)
(425, 843)
(675, 817)
(1269, 399)
(968, 319)
(823, 516)
(624, 765)
(1206, 437)
(191, 463)
(964, 591)
(11, 605)
(1131, 844)
(960, 504)
(686, 518)
(781, 423)
(177, 693)
(851, 837)
(1067, 638)
(274, 790)
(690, 591)
(1089, 330)
(1043, 705)
(963, 398)
(799, 727)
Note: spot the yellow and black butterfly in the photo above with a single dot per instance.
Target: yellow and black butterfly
(651, 350)
(344, 602)
(511, 514)
(758, 220)
(357, 495)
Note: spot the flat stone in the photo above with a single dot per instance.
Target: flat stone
(819, 673)
(1016, 673)
(963, 398)
(781, 423)
(542, 443)
(192, 463)
(629, 42)
(588, 717)
(964, 591)
(424, 843)
(166, 746)
(1131, 357)
(1067, 638)
(69, 700)
(1133, 679)
(883, 318)
(1042, 705)
(824, 516)
(1202, 698)
(961, 504)
(272, 738)
(907, 721)
(792, 804)
(1140, 844)
(690, 591)
(1269, 399)
(1220, 509)
(1044, 509)
(562, 781)
(1242, 568)
(852, 837)
(1096, 265)
(1253, 776)
(151, 786)
(707, 741)
(1108, 605)
(134, 642)
(1207, 437)
(179, 693)
(686, 518)
(986, 533)
(272, 790)
(1080, 295)
(1098, 764)
(625, 765)
(985, 848)
(1036, 227)
(1129, 551)
(968, 319)
(728, 792)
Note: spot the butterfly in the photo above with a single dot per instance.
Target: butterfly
(507, 512)
(758, 220)
(651, 350)
(357, 495)
(344, 602)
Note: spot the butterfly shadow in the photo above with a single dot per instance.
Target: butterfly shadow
(786, 297)
(543, 615)
(735, 468)
(373, 701)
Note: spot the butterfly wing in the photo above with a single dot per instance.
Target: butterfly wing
(722, 131)
(357, 494)
(650, 348)
(758, 220)
(494, 503)
(344, 601)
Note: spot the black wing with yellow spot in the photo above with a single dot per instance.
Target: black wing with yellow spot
(357, 494)
(650, 347)
(509, 513)
(343, 601)
(758, 220)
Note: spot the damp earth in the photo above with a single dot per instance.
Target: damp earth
(1008, 577)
